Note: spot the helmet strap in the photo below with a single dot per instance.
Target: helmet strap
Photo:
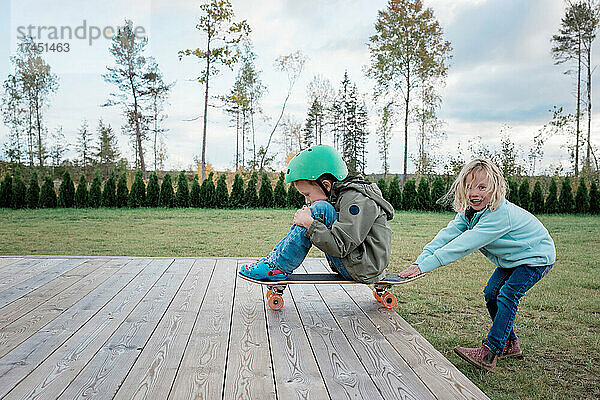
(327, 192)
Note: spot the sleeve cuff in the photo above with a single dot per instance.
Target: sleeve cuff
(429, 264)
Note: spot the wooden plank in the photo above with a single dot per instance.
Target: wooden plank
(249, 374)
(391, 374)
(24, 358)
(297, 374)
(29, 285)
(105, 372)
(345, 376)
(153, 373)
(202, 370)
(439, 375)
(22, 328)
(25, 269)
(49, 379)
(6, 261)
(22, 306)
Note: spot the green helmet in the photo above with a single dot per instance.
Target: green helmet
(315, 161)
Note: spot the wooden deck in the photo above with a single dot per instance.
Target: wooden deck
(179, 328)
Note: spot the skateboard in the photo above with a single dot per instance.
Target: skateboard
(381, 292)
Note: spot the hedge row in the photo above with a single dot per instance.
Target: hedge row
(428, 197)
(424, 196)
(15, 194)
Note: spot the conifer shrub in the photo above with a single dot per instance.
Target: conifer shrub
(265, 194)
(594, 198)
(582, 200)
(19, 192)
(47, 193)
(512, 191)
(122, 191)
(524, 196)
(208, 192)
(153, 190)
(551, 204)
(566, 202)
(236, 199)
(395, 193)
(423, 195)
(409, 195)
(81, 194)
(167, 197)
(537, 199)
(195, 193)
(438, 190)
(66, 191)
(95, 195)
(295, 198)
(137, 194)
(279, 193)
(250, 196)
(32, 198)
(221, 193)
(182, 198)
(109, 193)
(382, 185)
(6, 191)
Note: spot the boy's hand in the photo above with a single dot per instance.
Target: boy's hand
(410, 272)
(303, 217)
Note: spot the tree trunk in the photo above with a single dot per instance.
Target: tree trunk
(407, 102)
(206, 75)
(578, 105)
(38, 123)
(589, 107)
(237, 140)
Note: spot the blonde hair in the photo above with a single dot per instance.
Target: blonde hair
(459, 189)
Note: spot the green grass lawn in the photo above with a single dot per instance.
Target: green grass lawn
(558, 321)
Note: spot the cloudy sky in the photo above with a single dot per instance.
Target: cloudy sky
(501, 76)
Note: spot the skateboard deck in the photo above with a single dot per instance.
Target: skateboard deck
(380, 291)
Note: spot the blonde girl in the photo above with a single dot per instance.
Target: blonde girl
(509, 236)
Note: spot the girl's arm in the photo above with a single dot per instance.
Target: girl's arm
(489, 228)
(455, 227)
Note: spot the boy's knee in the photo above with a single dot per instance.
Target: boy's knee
(490, 292)
(323, 210)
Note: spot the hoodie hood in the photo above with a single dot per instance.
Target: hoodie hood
(368, 189)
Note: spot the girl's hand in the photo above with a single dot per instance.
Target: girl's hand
(410, 272)
(303, 217)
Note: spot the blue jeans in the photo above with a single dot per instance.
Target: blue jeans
(289, 253)
(502, 293)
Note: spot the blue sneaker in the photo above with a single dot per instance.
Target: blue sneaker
(263, 270)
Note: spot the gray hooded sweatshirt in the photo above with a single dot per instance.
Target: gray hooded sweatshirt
(361, 236)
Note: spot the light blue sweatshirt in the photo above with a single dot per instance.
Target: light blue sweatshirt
(509, 236)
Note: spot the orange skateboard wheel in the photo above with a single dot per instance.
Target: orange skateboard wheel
(377, 297)
(389, 300)
(275, 302)
(269, 294)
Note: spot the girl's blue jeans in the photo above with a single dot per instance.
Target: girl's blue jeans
(502, 293)
(289, 253)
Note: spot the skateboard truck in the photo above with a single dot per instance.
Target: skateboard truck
(380, 292)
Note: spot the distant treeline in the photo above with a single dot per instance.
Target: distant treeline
(214, 193)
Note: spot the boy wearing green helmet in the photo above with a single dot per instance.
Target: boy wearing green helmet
(345, 216)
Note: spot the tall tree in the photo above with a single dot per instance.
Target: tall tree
(222, 36)
(157, 91)
(571, 44)
(253, 90)
(107, 151)
(384, 135)
(128, 75)
(84, 145)
(14, 115)
(292, 64)
(38, 83)
(58, 148)
(320, 95)
(407, 48)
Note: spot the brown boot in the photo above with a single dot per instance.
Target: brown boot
(481, 357)
(511, 349)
